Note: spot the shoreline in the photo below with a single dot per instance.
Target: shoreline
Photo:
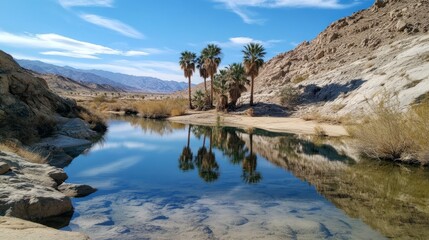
(273, 124)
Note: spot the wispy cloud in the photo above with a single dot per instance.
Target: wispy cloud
(86, 3)
(112, 24)
(240, 7)
(241, 41)
(127, 145)
(59, 45)
(120, 165)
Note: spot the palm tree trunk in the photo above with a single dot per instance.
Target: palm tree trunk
(205, 85)
(251, 91)
(189, 135)
(251, 143)
(189, 92)
(211, 90)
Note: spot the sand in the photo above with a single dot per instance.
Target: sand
(274, 124)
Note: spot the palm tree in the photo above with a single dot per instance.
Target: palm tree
(187, 64)
(237, 82)
(208, 169)
(185, 160)
(253, 61)
(250, 175)
(212, 56)
(220, 86)
(203, 71)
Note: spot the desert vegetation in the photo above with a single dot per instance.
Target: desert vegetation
(391, 134)
(228, 84)
(154, 109)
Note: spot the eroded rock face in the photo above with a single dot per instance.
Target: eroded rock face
(381, 49)
(14, 229)
(28, 190)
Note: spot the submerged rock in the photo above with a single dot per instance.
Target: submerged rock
(76, 190)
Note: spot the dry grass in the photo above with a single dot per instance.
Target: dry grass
(161, 108)
(154, 109)
(316, 116)
(300, 78)
(394, 135)
(289, 96)
(27, 130)
(13, 147)
(319, 131)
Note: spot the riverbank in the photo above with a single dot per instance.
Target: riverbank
(273, 124)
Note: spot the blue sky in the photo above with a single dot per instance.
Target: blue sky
(145, 37)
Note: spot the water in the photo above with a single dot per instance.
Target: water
(161, 180)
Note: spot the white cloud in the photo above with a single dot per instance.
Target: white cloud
(59, 45)
(240, 7)
(241, 41)
(122, 145)
(86, 3)
(120, 165)
(69, 54)
(112, 24)
(135, 53)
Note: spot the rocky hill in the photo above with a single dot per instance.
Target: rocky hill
(383, 50)
(107, 79)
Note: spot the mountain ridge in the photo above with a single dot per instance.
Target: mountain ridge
(118, 81)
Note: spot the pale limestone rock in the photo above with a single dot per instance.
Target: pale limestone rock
(17, 229)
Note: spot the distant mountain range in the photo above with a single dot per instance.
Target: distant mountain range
(117, 81)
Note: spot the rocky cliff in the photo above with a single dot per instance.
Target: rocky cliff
(383, 50)
(29, 110)
(40, 132)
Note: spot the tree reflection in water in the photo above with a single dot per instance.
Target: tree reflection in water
(185, 159)
(250, 175)
(229, 143)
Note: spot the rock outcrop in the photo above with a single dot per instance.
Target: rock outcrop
(13, 229)
(384, 49)
(34, 118)
(29, 192)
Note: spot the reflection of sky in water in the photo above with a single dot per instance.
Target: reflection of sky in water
(143, 193)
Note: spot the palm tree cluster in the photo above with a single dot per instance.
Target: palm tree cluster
(228, 83)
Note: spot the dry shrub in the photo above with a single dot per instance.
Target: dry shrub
(391, 134)
(14, 147)
(161, 108)
(319, 131)
(96, 123)
(300, 78)
(289, 96)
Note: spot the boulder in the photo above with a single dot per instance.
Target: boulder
(72, 146)
(401, 25)
(320, 55)
(14, 229)
(4, 168)
(76, 128)
(76, 190)
(29, 191)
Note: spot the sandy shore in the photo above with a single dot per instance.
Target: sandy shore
(274, 124)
